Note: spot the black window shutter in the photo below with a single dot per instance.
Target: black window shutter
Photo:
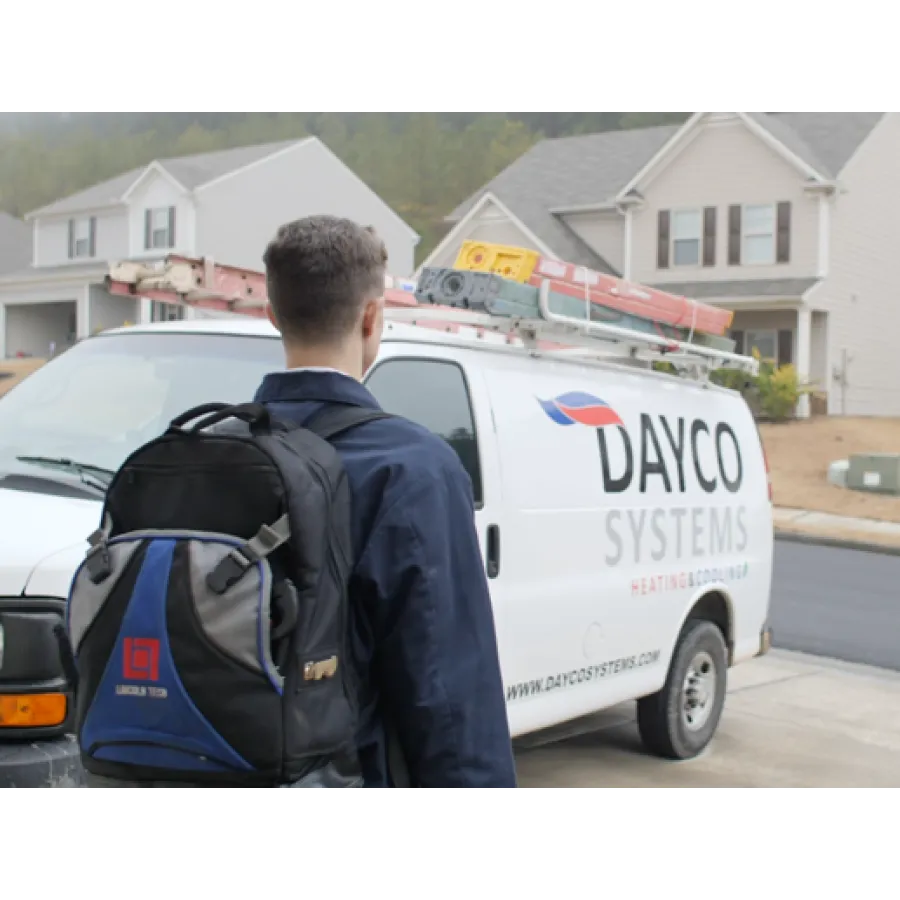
(71, 238)
(734, 235)
(738, 338)
(92, 237)
(783, 241)
(785, 346)
(171, 226)
(148, 229)
(709, 236)
(662, 240)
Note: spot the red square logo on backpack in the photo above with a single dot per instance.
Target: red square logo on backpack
(141, 659)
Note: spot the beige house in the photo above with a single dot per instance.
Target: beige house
(789, 219)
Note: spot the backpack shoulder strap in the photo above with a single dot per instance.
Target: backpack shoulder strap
(328, 423)
(335, 419)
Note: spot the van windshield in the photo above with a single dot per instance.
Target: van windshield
(106, 396)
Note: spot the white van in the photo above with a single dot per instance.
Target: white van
(624, 514)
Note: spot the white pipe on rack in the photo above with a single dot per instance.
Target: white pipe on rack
(636, 337)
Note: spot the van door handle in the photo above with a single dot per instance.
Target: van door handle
(493, 551)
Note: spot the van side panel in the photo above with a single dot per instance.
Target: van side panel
(628, 496)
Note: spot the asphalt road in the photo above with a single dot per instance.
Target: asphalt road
(843, 604)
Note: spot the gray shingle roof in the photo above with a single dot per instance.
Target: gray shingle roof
(594, 168)
(567, 172)
(833, 137)
(15, 244)
(761, 287)
(190, 171)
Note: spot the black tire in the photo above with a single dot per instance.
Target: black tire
(660, 717)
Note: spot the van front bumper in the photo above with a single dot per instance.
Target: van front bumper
(39, 764)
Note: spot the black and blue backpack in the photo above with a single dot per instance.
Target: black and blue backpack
(207, 627)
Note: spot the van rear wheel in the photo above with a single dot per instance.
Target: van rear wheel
(679, 721)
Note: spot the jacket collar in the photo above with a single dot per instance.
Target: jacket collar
(305, 385)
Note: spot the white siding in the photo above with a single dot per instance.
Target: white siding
(725, 164)
(109, 311)
(239, 215)
(489, 225)
(157, 191)
(51, 238)
(602, 232)
(862, 291)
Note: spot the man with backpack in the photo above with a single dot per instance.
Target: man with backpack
(308, 607)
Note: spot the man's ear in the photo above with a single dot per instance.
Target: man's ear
(270, 315)
(371, 316)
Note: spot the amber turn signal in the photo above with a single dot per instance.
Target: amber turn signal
(32, 710)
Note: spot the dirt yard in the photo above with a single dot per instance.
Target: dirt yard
(12, 371)
(800, 452)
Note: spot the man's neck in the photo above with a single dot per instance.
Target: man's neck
(323, 358)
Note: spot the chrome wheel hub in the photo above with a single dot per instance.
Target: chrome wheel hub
(698, 695)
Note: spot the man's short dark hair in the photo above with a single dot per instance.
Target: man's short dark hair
(320, 271)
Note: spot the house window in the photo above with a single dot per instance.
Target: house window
(82, 245)
(687, 232)
(82, 237)
(758, 235)
(166, 312)
(764, 341)
(159, 228)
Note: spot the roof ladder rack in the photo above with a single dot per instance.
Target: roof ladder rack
(582, 338)
(197, 283)
(205, 284)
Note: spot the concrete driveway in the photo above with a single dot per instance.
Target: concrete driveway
(790, 721)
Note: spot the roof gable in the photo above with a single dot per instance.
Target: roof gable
(189, 171)
(833, 137)
(594, 169)
(193, 171)
(570, 171)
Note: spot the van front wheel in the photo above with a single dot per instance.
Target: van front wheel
(680, 720)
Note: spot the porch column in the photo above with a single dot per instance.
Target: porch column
(145, 306)
(804, 353)
(2, 331)
(83, 314)
(627, 250)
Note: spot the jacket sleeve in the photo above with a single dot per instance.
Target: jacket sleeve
(436, 664)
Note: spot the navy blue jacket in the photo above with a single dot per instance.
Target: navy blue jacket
(422, 626)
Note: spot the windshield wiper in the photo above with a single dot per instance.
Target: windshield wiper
(96, 476)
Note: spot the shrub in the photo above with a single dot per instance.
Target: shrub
(772, 394)
(734, 379)
(779, 391)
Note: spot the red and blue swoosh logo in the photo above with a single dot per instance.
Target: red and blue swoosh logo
(580, 408)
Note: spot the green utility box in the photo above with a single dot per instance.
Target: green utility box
(878, 473)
